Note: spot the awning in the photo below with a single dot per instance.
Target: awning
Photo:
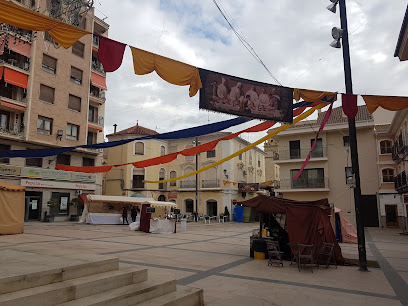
(95, 127)
(93, 198)
(1, 72)
(12, 105)
(160, 203)
(19, 46)
(98, 81)
(16, 78)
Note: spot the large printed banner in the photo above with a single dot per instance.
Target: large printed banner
(228, 94)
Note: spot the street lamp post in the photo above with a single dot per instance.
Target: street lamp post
(196, 142)
(362, 258)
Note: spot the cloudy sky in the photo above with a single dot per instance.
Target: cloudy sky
(291, 37)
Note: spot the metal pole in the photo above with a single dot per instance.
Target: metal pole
(196, 183)
(362, 258)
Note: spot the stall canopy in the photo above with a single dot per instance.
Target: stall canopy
(308, 222)
(12, 206)
(345, 230)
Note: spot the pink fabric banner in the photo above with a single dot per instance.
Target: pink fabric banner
(325, 119)
(110, 53)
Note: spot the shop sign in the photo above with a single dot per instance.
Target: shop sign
(56, 184)
(83, 177)
(57, 175)
(9, 170)
(172, 195)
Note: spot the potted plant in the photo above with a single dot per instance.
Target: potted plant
(76, 203)
(53, 207)
(226, 212)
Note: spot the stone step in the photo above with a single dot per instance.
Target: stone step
(56, 293)
(54, 269)
(186, 296)
(128, 295)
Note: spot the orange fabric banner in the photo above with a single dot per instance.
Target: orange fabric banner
(84, 169)
(387, 102)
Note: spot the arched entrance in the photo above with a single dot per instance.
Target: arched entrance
(161, 198)
(212, 208)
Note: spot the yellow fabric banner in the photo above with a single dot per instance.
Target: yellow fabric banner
(386, 102)
(18, 16)
(313, 95)
(270, 135)
(170, 70)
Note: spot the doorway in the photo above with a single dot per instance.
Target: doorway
(33, 206)
(391, 215)
(212, 208)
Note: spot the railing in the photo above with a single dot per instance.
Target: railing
(303, 183)
(12, 129)
(300, 153)
(24, 65)
(399, 149)
(95, 40)
(16, 96)
(400, 182)
(210, 184)
(137, 184)
(96, 66)
(20, 33)
(96, 119)
(100, 95)
(187, 184)
(162, 186)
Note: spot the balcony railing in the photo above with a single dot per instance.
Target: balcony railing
(399, 149)
(96, 119)
(400, 182)
(137, 184)
(210, 184)
(100, 95)
(21, 64)
(96, 66)
(187, 184)
(317, 183)
(20, 33)
(95, 40)
(12, 129)
(300, 153)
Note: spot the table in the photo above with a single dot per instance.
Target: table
(161, 226)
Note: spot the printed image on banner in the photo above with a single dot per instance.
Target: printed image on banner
(248, 187)
(228, 94)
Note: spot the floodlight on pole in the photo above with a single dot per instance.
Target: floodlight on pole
(337, 33)
(335, 44)
(332, 7)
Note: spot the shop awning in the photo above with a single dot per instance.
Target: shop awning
(1, 72)
(19, 46)
(93, 198)
(12, 105)
(16, 78)
(98, 81)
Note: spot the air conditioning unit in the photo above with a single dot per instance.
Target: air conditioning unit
(245, 172)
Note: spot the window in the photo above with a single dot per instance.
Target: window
(259, 163)
(49, 64)
(388, 175)
(173, 175)
(386, 146)
(250, 158)
(72, 131)
(310, 178)
(346, 141)
(139, 148)
(211, 154)
(91, 138)
(294, 148)
(318, 149)
(74, 103)
(64, 159)
(88, 162)
(240, 156)
(47, 93)
(162, 150)
(173, 149)
(93, 114)
(4, 147)
(76, 75)
(191, 157)
(189, 206)
(162, 174)
(34, 162)
(138, 181)
(349, 175)
(62, 199)
(44, 125)
(78, 49)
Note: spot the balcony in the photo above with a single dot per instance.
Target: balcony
(96, 120)
(137, 184)
(95, 41)
(12, 130)
(399, 149)
(15, 31)
(400, 182)
(210, 184)
(98, 95)
(318, 184)
(19, 61)
(188, 184)
(295, 155)
(97, 67)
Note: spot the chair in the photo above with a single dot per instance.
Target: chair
(326, 254)
(209, 218)
(294, 248)
(275, 255)
(305, 256)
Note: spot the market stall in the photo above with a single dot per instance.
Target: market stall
(11, 209)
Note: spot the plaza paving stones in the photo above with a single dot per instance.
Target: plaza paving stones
(216, 258)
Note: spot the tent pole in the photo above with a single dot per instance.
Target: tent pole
(260, 225)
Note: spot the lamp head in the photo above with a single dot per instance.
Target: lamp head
(332, 7)
(337, 33)
(335, 44)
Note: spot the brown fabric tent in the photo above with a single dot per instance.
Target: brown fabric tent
(12, 205)
(307, 221)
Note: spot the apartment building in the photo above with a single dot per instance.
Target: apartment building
(213, 195)
(328, 173)
(51, 97)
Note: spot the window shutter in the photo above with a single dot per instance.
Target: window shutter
(74, 103)
(76, 73)
(49, 61)
(78, 49)
(47, 93)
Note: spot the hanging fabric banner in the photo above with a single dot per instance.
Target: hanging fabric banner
(314, 95)
(170, 70)
(231, 95)
(21, 17)
(386, 102)
(325, 119)
(110, 53)
(349, 105)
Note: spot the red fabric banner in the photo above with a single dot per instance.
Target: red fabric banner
(110, 53)
(349, 105)
(325, 119)
(83, 169)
